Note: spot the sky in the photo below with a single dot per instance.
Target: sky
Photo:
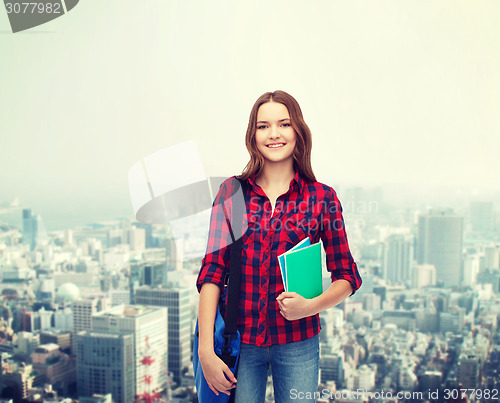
(394, 93)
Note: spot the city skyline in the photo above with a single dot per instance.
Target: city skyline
(408, 329)
(56, 217)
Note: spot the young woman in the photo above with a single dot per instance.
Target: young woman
(284, 204)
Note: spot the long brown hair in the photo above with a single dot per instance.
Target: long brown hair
(303, 142)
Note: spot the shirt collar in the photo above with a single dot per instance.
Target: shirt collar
(298, 182)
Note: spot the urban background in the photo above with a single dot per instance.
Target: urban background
(402, 101)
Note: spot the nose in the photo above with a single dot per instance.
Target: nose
(274, 132)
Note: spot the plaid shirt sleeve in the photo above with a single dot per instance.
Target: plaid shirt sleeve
(214, 264)
(339, 260)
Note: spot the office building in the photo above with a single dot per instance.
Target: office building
(364, 377)
(491, 257)
(151, 272)
(481, 216)
(16, 379)
(397, 258)
(136, 238)
(452, 321)
(468, 371)
(423, 275)
(119, 297)
(178, 302)
(83, 309)
(33, 229)
(55, 367)
(105, 364)
(440, 234)
(27, 342)
(472, 266)
(332, 369)
(149, 327)
(61, 338)
(63, 319)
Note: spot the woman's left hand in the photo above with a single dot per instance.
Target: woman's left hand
(293, 306)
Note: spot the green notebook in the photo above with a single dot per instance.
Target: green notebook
(303, 271)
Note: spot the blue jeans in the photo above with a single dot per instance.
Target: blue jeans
(294, 367)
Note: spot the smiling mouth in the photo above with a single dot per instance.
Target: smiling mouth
(279, 145)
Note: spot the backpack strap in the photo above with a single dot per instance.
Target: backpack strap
(233, 288)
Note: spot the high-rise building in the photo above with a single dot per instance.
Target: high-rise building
(472, 265)
(105, 364)
(491, 257)
(407, 380)
(27, 342)
(430, 380)
(364, 377)
(61, 338)
(332, 369)
(397, 258)
(136, 238)
(468, 371)
(152, 272)
(178, 302)
(63, 318)
(452, 321)
(481, 215)
(119, 297)
(149, 328)
(16, 379)
(83, 309)
(440, 234)
(371, 302)
(56, 368)
(423, 275)
(33, 229)
(148, 232)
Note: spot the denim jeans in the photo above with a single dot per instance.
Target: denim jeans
(294, 368)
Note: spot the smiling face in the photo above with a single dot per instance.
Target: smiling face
(274, 135)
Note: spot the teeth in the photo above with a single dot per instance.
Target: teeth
(275, 145)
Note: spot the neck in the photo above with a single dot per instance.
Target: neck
(276, 174)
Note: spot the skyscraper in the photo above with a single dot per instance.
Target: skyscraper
(398, 258)
(468, 373)
(178, 302)
(149, 327)
(423, 275)
(33, 229)
(152, 272)
(83, 309)
(481, 216)
(105, 364)
(440, 234)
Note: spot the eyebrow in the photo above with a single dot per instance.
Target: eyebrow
(279, 121)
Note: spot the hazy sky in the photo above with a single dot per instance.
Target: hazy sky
(394, 92)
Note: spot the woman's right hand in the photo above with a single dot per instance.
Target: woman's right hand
(217, 374)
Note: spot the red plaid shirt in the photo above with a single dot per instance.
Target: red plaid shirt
(306, 209)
